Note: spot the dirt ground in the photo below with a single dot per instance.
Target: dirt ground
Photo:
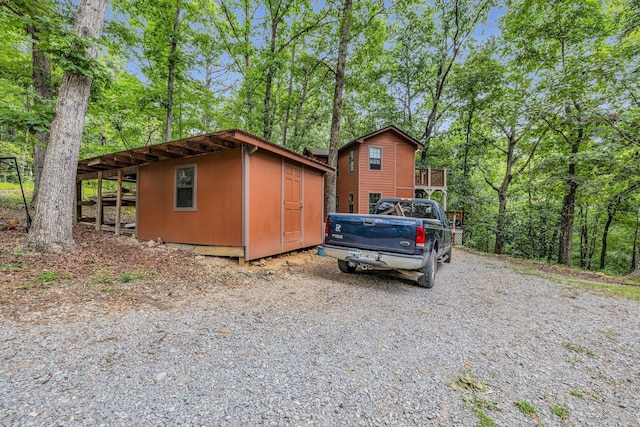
(119, 273)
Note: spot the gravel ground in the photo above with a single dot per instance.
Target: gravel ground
(302, 344)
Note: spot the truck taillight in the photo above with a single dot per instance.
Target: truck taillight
(420, 236)
(326, 228)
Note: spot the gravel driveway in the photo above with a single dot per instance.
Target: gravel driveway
(304, 344)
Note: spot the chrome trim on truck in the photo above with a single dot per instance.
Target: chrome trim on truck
(385, 260)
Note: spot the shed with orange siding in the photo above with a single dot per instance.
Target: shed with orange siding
(228, 193)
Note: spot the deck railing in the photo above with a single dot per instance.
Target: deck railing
(428, 177)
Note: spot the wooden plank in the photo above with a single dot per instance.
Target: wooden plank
(107, 173)
(118, 202)
(225, 251)
(99, 209)
(78, 201)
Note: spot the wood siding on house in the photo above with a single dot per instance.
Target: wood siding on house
(381, 181)
(405, 170)
(218, 217)
(347, 182)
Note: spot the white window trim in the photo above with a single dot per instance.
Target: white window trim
(195, 188)
(369, 158)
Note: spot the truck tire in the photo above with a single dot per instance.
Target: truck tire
(345, 267)
(428, 279)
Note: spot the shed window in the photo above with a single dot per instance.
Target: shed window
(373, 199)
(185, 192)
(350, 202)
(352, 160)
(375, 158)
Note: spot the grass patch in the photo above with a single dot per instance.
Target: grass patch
(579, 349)
(129, 276)
(11, 196)
(631, 292)
(472, 401)
(47, 276)
(560, 411)
(576, 393)
(485, 421)
(525, 407)
(11, 266)
(102, 278)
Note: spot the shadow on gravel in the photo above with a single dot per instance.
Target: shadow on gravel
(388, 282)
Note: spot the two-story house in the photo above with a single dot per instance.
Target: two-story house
(380, 164)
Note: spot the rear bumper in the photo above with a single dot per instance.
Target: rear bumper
(385, 260)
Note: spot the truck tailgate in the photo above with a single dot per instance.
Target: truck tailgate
(373, 232)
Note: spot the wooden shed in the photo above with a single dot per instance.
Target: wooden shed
(229, 193)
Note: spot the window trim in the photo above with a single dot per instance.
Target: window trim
(194, 195)
(376, 148)
(352, 160)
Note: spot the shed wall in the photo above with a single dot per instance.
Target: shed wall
(265, 178)
(265, 204)
(218, 218)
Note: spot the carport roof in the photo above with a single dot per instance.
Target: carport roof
(129, 160)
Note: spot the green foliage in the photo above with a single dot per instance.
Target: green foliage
(47, 276)
(577, 393)
(525, 407)
(561, 80)
(560, 411)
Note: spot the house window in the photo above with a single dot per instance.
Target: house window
(350, 202)
(352, 160)
(373, 199)
(337, 204)
(375, 158)
(185, 190)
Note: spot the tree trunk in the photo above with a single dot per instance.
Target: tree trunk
(172, 75)
(287, 112)
(53, 221)
(568, 206)
(583, 215)
(266, 114)
(612, 209)
(336, 114)
(41, 76)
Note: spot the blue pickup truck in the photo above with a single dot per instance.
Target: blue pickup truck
(405, 235)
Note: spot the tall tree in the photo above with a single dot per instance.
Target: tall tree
(558, 40)
(457, 20)
(53, 221)
(336, 115)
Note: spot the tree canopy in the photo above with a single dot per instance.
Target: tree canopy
(532, 106)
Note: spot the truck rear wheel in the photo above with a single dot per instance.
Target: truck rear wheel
(428, 279)
(345, 267)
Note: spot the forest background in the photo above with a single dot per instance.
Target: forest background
(532, 106)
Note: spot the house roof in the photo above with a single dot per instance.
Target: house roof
(319, 152)
(129, 160)
(390, 128)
